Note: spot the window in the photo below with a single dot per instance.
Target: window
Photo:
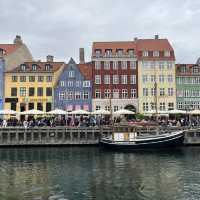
(162, 91)
(86, 83)
(23, 67)
(107, 65)
(40, 91)
(170, 78)
(107, 93)
(145, 106)
(77, 95)
(40, 78)
(132, 65)
(153, 91)
(31, 91)
(107, 108)
(116, 108)
(145, 53)
(78, 83)
(161, 65)
(31, 78)
(116, 94)
(40, 106)
(153, 106)
(167, 53)
(133, 93)
(14, 78)
(162, 106)
(49, 78)
(171, 106)
(145, 64)
(152, 64)
(30, 106)
(22, 91)
(124, 79)
(131, 52)
(48, 107)
(71, 95)
(155, 53)
(47, 67)
(144, 78)
(119, 52)
(97, 79)
(169, 65)
(161, 78)
(153, 78)
(61, 95)
(98, 107)
(145, 92)
(170, 91)
(62, 83)
(106, 79)
(97, 65)
(115, 65)
(48, 91)
(98, 53)
(124, 64)
(97, 94)
(71, 74)
(180, 105)
(133, 79)
(183, 69)
(108, 52)
(195, 70)
(13, 91)
(85, 95)
(34, 67)
(22, 78)
(70, 83)
(115, 79)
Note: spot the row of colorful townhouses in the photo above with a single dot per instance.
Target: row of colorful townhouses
(139, 75)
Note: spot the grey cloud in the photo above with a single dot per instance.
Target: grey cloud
(60, 27)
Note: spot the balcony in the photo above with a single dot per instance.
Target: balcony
(114, 55)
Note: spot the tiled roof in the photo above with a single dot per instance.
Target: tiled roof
(41, 67)
(8, 48)
(188, 71)
(86, 70)
(113, 45)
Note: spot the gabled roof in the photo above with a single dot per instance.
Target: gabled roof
(8, 48)
(41, 67)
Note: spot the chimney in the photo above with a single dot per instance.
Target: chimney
(81, 56)
(135, 39)
(49, 58)
(18, 40)
(156, 37)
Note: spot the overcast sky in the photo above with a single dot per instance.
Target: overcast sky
(60, 27)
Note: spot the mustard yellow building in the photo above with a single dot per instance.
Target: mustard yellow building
(156, 75)
(31, 85)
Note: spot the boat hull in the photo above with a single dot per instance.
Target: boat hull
(156, 143)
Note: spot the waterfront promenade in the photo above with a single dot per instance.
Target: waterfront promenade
(58, 136)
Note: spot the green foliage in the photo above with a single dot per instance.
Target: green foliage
(139, 116)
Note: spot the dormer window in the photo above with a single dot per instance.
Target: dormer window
(183, 69)
(167, 53)
(195, 70)
(108, 52)
(98, 52)
(155, 53)
(131, 52)
(23, 67)
(34, 67)
(71, 74)
(47, 67)
(145, 53)
(119, 52)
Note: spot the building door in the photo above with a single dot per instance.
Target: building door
(13, 106)
(48, 107)
(22, 109)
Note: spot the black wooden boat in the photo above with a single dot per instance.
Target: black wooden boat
(130, 139)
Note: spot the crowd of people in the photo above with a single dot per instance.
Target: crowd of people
(91, 121)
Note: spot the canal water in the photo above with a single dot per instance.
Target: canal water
(84, 173)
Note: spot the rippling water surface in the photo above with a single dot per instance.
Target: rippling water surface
(80, 173)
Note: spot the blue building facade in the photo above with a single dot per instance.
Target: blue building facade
(74, 88)
(2, 69)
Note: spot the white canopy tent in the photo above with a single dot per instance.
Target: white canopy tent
(57, 112)
(124, 112)
(101, 112)
(194, 112)
(175, 111)
(80, 112)
(153, 112)
(33, 112)
(8, 112)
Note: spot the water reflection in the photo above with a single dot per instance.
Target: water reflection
(90, 173)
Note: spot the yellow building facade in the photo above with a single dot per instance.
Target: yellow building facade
(156, 75)
(31, 86)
